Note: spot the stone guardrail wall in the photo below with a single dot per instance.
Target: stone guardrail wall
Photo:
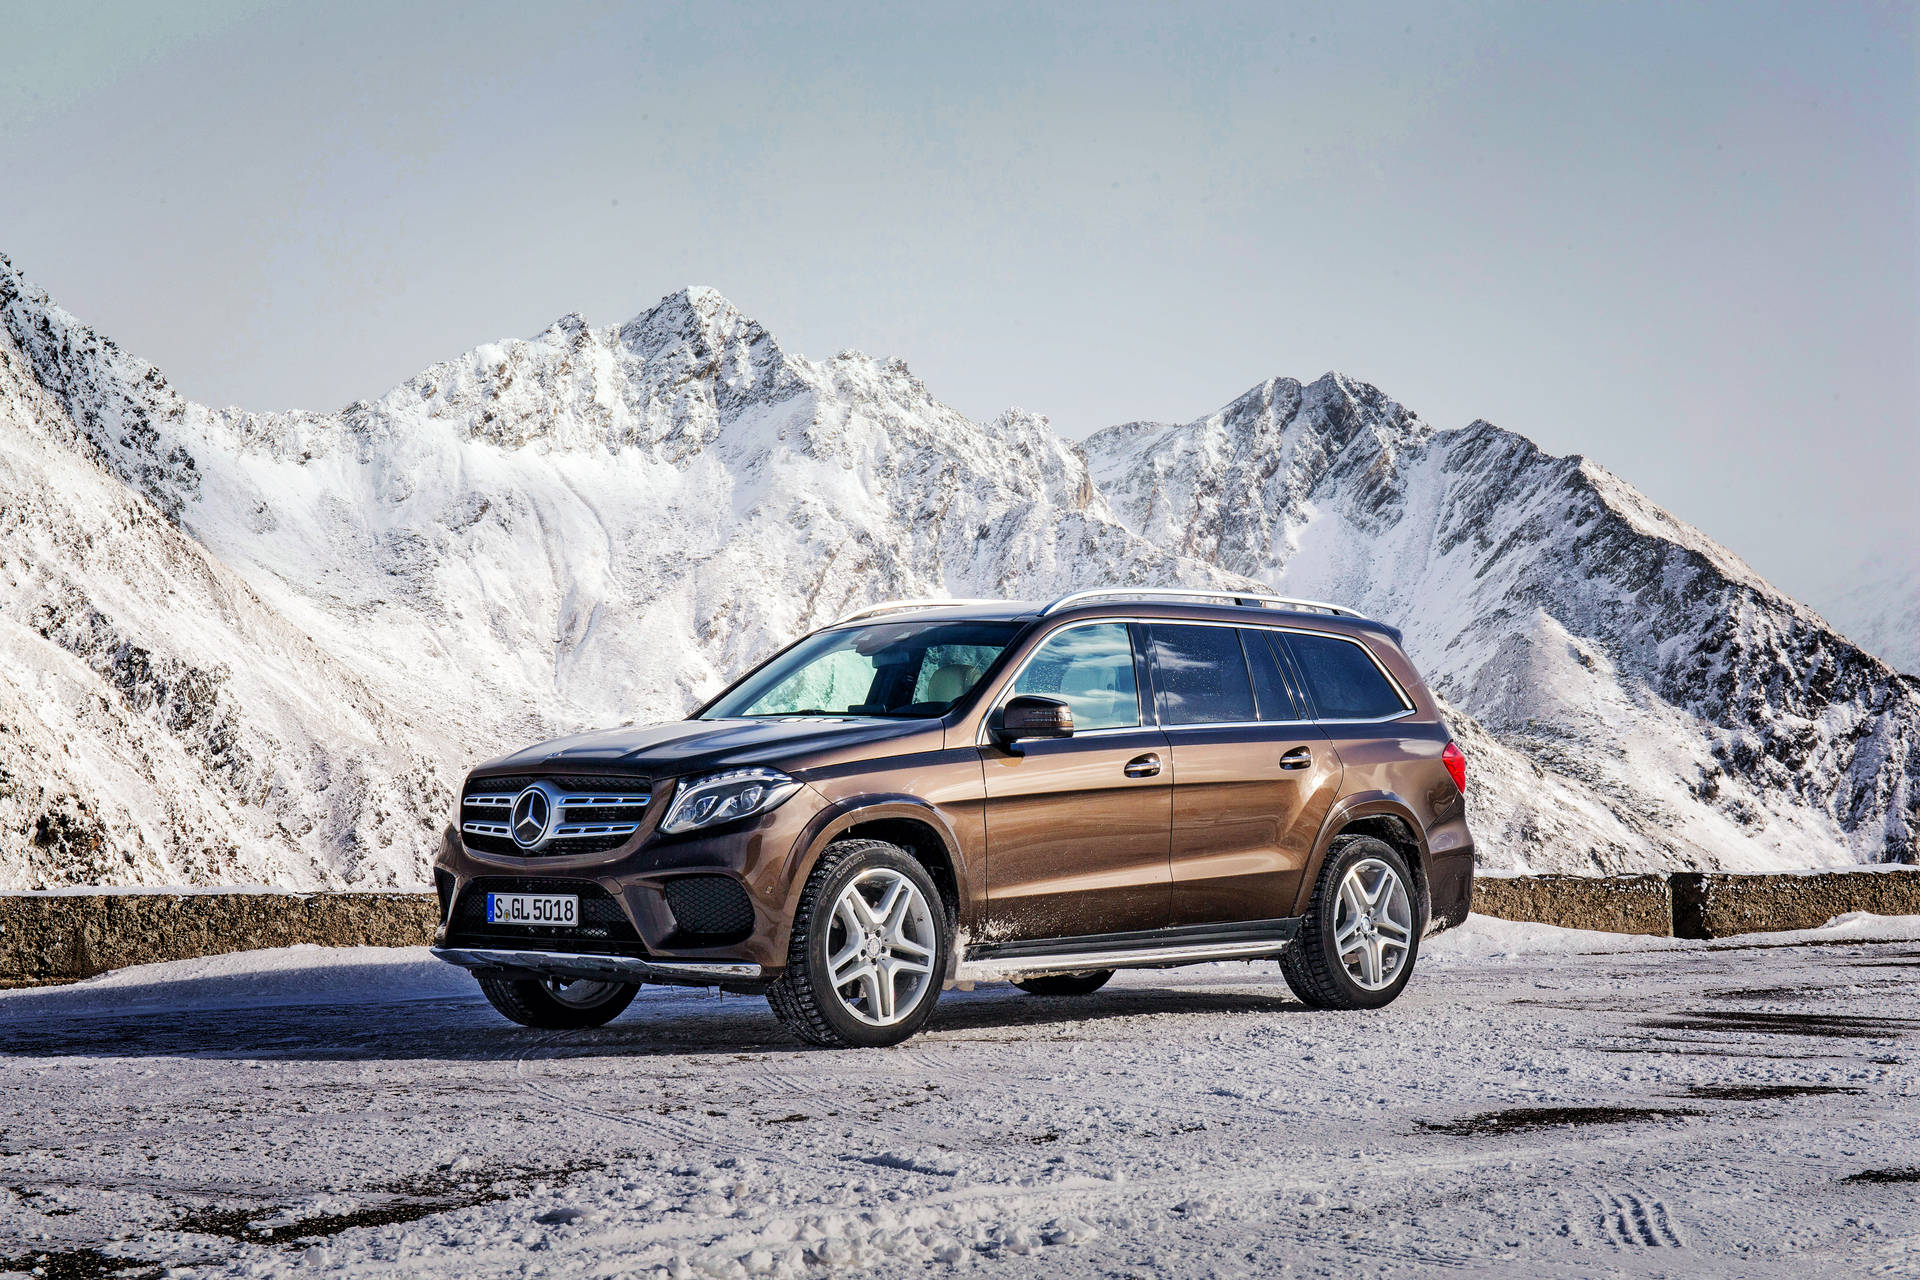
(1611, 904)
(60, 937)
(1697, 904)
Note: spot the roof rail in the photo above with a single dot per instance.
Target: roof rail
(1182, 593)
(894, 606)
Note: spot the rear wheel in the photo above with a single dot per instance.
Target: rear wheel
(1066, 984)
(558, 1004)
(869, 949)
(1362, 932)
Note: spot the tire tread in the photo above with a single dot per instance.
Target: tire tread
(523, 1001)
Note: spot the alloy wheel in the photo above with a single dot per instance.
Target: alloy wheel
(1373, 924)
(881, 947)
(579, 993)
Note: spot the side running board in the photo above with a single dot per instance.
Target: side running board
(1144, 949)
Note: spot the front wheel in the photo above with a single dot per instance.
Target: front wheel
(869, 949)
(1362, 932)
(558, 1004)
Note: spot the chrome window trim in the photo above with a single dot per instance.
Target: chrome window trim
(1238, 724)
(982, 738)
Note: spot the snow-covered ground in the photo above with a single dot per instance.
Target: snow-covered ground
(1539, 1103)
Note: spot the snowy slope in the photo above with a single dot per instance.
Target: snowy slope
(1677, 707)
(159, 722)
(601, 524)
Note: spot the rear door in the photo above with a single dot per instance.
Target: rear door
(1360, 707)
(1078, 828)
(1252, 778)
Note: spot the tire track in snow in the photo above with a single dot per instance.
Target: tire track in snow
(1631, 1221)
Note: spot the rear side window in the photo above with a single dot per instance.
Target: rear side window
(1269, 687)
(1344, 682)
(1201, 675)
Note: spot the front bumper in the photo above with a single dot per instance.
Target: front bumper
(757, 855)
(601, 968)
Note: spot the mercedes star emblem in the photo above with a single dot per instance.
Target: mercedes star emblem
(532, 812)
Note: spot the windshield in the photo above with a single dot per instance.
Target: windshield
(888, 669)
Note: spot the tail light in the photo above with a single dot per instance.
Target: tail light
(1456, 761)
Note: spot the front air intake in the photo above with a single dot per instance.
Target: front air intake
(715, 908)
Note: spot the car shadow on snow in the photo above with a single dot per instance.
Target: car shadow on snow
(996, 1007)
(220, 1017)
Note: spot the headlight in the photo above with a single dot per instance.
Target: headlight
(725, 797)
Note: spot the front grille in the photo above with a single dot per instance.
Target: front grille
(715, 907)
(591, 813)
(603, 928)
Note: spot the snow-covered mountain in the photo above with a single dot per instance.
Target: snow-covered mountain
(1881, 610)
(243, 646)
(1672, 707)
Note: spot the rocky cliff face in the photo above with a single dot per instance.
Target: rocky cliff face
(262, 647)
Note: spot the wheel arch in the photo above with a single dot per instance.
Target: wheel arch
(912, 824)
(1385, 818)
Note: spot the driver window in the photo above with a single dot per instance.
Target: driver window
(1091, 670)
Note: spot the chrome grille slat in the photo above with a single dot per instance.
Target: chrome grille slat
(485, 814)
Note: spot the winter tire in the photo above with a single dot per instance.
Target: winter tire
(869, 949)
(1361, 935)
(1066, 984)
(558, 1004)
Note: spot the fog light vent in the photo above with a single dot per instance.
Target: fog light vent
(714, 906)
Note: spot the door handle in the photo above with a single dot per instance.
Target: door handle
(1298, 758)
(1146, 766)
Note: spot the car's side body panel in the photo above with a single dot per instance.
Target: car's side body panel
(1075, 843)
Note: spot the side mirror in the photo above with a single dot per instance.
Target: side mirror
(1030, 716)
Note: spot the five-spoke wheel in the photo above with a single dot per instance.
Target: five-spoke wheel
(869, 948)
(1361, 934)
(881, 946)
(1373, 924)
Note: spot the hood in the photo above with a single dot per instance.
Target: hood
(680, 747)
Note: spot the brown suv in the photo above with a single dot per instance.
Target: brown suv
(934, 792)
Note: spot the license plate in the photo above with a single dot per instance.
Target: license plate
(533, 908)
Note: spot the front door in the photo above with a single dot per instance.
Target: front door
(1078, 828)
(1252, 779)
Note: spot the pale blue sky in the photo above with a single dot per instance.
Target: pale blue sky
(1679, 239)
